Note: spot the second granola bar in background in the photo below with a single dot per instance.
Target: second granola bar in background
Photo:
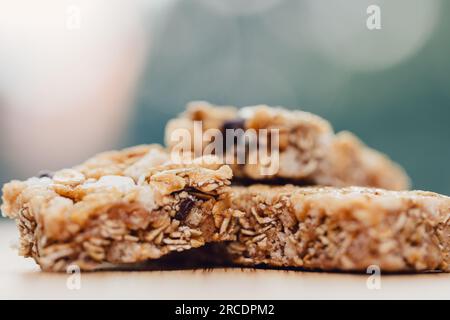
(309, 150)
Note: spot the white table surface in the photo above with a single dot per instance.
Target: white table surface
(21, 279)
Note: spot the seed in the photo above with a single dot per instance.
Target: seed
(259, 237)
(247, 232)
(174, 241)
(195, 232)
(224, 225)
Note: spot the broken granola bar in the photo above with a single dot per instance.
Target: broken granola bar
(129, 206)
(309, 152)
(105, 212)
(348, 229)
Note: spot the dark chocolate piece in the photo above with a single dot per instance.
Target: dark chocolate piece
(234, 124)
(185, 207)
(45, 174)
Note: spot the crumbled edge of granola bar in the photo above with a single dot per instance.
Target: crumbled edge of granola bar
(80, 216)
(345, 229)
(350, 162)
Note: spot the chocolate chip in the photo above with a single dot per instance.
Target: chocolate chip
(185, 207)
(45, 174)
(234, 124)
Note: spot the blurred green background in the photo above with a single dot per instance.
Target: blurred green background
(391, 86)
(403, 110)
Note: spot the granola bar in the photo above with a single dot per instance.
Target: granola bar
(347, 229)
(129, 206)
(104, 212)
(309, 151)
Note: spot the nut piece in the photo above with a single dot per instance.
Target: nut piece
(167, 182)
(69, 177)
